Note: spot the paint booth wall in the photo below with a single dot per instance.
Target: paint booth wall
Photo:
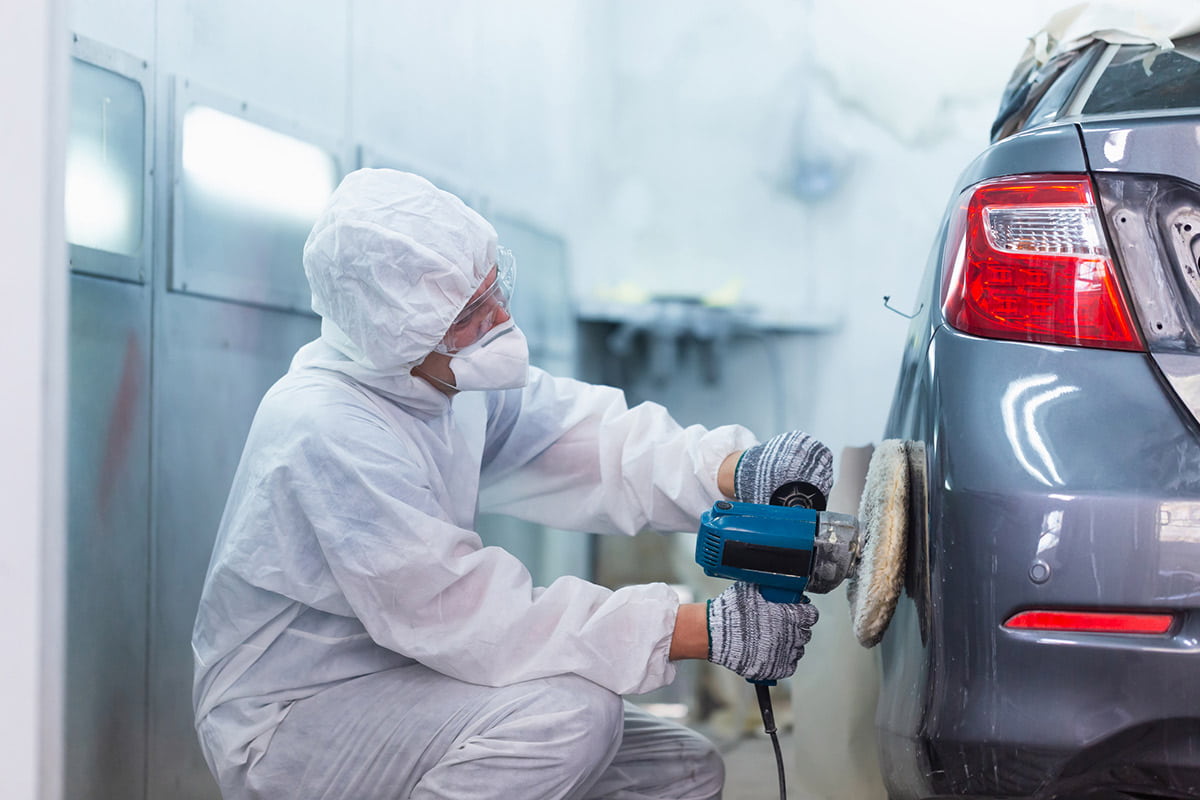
(789, 158)
(789, 154)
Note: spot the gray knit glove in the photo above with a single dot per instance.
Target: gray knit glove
(783, 459)
(757, 639)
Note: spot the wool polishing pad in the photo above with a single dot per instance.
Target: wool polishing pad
(874, 587)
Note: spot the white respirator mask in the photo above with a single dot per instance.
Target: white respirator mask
(500, 360)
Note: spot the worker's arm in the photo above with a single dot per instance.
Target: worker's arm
(755, 638)
(690, 639)
(726, 473)
(573, 455)
(361, 503)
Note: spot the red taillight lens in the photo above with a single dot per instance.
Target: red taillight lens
(1032, 265)
(1091, 622)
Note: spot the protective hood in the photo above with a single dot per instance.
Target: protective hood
(391, 261)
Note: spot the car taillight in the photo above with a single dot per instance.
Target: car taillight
(1032, 265)
(1091, 621)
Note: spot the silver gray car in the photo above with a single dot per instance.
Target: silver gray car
(1048, 641)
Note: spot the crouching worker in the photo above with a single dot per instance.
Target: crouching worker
(356, 640)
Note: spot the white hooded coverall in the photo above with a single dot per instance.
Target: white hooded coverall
(355, 639)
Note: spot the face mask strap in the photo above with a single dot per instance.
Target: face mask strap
(427, 375)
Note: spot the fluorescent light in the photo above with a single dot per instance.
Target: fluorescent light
(241, 162)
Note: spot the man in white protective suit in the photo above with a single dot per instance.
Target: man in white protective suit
(355, 639)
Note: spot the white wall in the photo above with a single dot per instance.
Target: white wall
(661, 140)
(715, 108)
(32, 340)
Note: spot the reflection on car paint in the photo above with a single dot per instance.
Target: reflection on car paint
(1046, 558)
(1179, 522)
(1178, 536)
(1051, 532)
(1114, 145)
(1021, 424)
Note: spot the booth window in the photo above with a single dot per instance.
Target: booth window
(105, 169)
(246, 196)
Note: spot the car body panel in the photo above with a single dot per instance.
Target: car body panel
(1056, 477)
(1182, 371)
(1006, 502)
(1053, 149)
(1164, 145)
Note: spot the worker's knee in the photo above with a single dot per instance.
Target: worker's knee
(562, 732)
(662, 759)
(687, 765)
(705, 774)
(545, 738)
(583, 721)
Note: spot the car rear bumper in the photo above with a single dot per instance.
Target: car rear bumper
(1057, 478)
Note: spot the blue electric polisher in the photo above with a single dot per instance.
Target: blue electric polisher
(784, 550)
(795, 546)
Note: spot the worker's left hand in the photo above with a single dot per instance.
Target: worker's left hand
(757, 639)
(783, 459)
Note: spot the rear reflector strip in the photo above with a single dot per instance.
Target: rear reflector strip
(1091, 622)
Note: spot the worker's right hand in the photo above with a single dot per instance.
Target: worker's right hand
(757, 639)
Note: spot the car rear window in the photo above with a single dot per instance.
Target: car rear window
(1142, 78)
(1039, 92)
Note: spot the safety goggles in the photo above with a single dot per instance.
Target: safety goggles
(486, 309)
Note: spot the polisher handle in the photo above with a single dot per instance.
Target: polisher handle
(773, 595)
(776, 595)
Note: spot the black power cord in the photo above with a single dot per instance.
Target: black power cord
(768, 716)
(803, 495)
